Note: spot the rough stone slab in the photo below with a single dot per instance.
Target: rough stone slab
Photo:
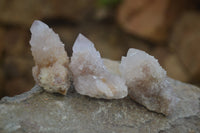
(50, 113)
(19, 98)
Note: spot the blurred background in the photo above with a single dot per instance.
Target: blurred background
(166, 29)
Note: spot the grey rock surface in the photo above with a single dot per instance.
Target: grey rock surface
(40, 112)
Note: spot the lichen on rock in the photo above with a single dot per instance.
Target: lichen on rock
(51, 60)
(90, 75)
(147, 81)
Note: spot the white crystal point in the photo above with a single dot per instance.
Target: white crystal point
(147, 81)
(140, 65)
(86, 45)
(90, 76)
(38, 26)
(50, 57)
(46, 45)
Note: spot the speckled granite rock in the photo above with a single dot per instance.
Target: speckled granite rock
(39, 112)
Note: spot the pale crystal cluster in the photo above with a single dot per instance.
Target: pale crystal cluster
(147, 81)
(91, 77)
(97, 77)
(51, 60)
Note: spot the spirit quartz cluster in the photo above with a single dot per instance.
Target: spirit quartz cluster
(51, 60)
(90, 75)
(93, 76)
(147, 81)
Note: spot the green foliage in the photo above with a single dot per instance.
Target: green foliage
(108, 3)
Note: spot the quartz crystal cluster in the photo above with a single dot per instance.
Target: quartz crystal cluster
(147, 81)
(91, 77)
(51, 60)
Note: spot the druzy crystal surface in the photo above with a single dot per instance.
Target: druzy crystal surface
(138, 74)
(90, 76)
(51, 60)
(147, 81)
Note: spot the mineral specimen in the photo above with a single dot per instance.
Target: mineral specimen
(51, 60)
(90, 75)
(147, 81)
(96, 77)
